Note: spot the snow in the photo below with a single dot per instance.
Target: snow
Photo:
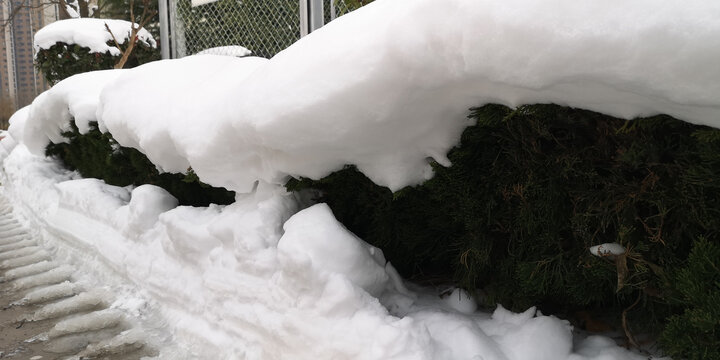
(146, 204)
(201, 2)
(50, 293)
(314, 233)
(52, 111)
(231, 50)
(385, 88)
(607, 249)
(462, 301)
(230, 281)
(90, 33)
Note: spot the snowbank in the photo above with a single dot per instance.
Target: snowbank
(387, 87)
(230, 283)
(91, 33)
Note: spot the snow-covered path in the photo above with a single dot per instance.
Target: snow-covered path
(48, 314)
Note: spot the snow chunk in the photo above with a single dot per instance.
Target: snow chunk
(94, 321)
(462, 301)
(50, 293)
(93, 196)
(147, 202)
(315, 234)
(15, 130)
(607, 249)
(184, 226)
(73, 98)
(530, 335)
(82, 302)
(91, 33)
(17, 123)
(53, 276)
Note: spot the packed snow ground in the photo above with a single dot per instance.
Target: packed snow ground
(386, 88)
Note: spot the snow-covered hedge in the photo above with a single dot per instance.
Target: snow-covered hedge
(387, 89)
(531, 190)
(74, 46)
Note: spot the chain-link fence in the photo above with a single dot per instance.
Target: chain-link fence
(265, 27)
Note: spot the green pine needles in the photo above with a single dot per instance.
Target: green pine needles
(63, 60)
(531, 189)
(98, 155)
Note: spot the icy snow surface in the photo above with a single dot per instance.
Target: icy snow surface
(90, 33)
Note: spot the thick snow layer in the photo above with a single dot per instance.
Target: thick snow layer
(387, 87)
(201, 80)
(90, 33)
(52, 111)
(264, 279)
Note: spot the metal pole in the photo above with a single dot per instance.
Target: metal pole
(333, 12)
(304, 18)
(164, 29)
(317, 14)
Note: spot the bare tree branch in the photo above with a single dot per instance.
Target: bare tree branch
(144, 20)
(25, 4)
(113, 36)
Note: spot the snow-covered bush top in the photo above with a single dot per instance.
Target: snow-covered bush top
(387, 87)
(91, 33)
(51, 112)
(231, 50)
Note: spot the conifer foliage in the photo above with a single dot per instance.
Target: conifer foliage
(98, 155)
(531, 189)
(63, 60)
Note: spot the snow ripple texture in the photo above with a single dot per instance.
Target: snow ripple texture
(47, 315)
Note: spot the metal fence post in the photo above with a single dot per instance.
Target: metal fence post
(317, 14)
(312, 16)
(164, 29)
(304, 18)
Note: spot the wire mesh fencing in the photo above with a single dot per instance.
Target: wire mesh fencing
(227, 27)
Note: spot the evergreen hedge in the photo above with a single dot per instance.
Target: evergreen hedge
(63, 60)
(98, 155)
(531, 189)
